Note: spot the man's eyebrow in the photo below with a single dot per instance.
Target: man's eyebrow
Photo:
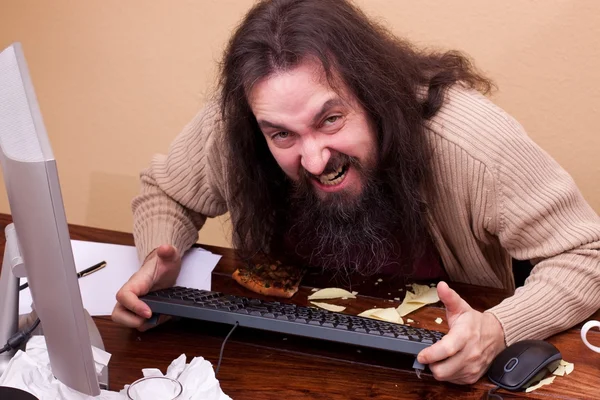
(266, 124)
(328, 105)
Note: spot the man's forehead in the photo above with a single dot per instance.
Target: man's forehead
(303, 89)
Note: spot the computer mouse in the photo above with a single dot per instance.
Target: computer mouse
(523, 363)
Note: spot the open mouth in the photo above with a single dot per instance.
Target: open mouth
(334, 178)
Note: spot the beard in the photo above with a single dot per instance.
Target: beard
(345, 232)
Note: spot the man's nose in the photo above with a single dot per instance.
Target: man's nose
(315, 155)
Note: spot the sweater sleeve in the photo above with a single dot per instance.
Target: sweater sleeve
(179, 190)
(542, 216)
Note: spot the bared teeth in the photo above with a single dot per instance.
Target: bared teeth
(330, 179)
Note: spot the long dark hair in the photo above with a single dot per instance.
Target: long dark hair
(399, 86)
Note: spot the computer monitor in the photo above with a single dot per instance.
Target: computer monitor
(41, 241)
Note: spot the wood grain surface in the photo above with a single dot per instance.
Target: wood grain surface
(260, 365)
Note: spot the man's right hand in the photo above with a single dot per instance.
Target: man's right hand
(159, 271)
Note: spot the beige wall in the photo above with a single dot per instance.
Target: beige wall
(116, 80)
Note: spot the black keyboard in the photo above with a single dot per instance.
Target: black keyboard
(291, 319)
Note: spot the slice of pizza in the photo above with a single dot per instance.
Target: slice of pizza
(270, 279)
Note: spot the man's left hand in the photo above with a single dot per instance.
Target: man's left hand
(472, 343)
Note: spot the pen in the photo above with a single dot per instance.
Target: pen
(92, 269)
(80, 274)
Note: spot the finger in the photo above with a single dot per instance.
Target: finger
(151, 324)
(123, 316)
(130, 301)
(450, 344)
(450, 369)
(468, 376)
(167, 253)
(453, 302)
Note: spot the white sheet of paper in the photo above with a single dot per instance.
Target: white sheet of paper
(98, 290)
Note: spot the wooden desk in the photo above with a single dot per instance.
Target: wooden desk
(261, 365)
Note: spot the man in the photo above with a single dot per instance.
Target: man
(342, 146)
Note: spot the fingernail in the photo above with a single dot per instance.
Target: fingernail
(147, 313)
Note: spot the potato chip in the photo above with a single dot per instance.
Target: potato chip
(331, 293)
(329, 307)
(559, 371)
(413, 301)
(368, 313)
(383, 314)
(543, 382)
(425, 294)
(419, 289)
(569, 368)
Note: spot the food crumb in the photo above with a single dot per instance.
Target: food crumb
(397, 298)
(314, 289)
(409, 320)
(379, 280)
(569, 367)
(438, 320)
(377, 283)
(559, 371)
(543, 382)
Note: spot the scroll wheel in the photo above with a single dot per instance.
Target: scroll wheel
(511, 364)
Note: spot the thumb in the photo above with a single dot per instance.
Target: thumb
(453, 302)
(167, 253)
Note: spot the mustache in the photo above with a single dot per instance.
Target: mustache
(335, 162)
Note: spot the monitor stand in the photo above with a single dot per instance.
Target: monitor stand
(10, 322)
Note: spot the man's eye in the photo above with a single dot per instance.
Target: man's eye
(331, 119)
(280, 135)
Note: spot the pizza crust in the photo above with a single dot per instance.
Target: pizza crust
(261, 282)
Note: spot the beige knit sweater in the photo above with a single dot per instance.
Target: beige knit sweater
(498, 196)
